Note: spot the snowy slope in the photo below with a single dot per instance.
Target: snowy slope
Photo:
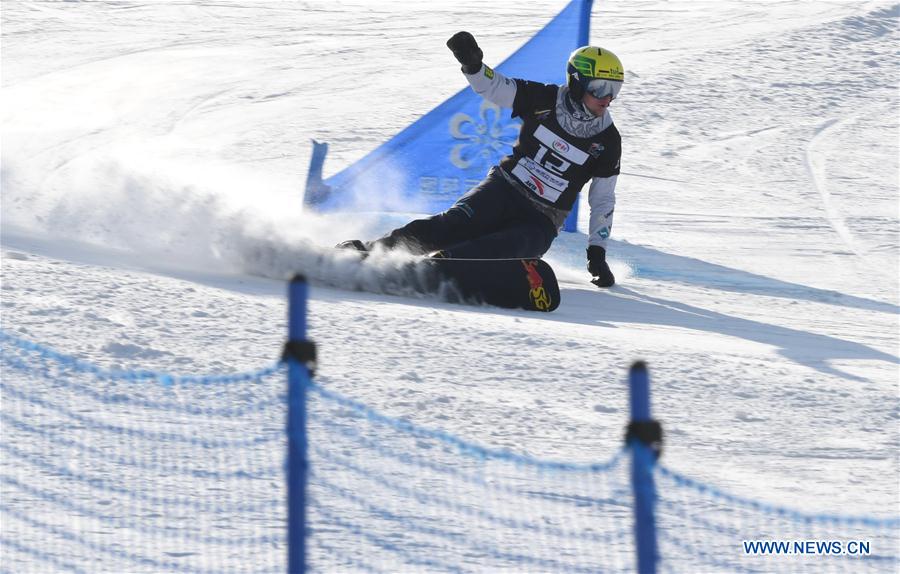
(153, 151)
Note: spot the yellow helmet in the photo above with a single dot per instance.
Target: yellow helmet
(596, 71)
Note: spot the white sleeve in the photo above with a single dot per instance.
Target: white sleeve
(602, 198)
(493, 86)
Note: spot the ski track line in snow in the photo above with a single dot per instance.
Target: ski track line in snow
(815, 165)
(729, 136)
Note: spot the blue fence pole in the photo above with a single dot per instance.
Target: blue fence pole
(300, 356)
(644, 438)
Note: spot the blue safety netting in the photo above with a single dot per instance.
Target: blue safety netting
(139, 471)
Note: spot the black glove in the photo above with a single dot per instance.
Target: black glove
(598, 267)
(466, 51)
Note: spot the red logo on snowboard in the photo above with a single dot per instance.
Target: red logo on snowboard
(538, 294)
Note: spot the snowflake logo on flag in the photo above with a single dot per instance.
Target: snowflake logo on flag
(485, 139)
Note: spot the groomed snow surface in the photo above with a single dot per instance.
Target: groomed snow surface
(154, 156)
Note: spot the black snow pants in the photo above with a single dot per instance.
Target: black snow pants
(491, 221)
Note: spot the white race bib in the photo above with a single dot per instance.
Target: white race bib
(539, 180)
(543, 174)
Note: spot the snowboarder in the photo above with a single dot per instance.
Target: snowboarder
(566, 139)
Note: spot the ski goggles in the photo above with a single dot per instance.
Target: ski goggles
(600, 88)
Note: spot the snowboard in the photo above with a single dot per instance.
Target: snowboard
(528, 284)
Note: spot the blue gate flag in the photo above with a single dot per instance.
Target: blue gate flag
(443, 154)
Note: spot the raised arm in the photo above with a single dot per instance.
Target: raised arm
(487, 83)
